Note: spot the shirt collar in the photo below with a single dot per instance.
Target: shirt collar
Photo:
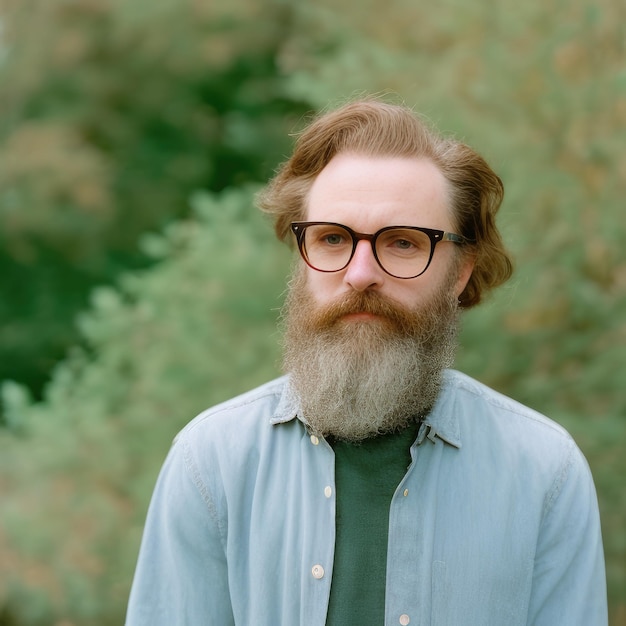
(442, 422)
(287, 408)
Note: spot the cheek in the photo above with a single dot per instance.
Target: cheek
(417, 292)
(408, 297)
(307, 281)
(321, 286)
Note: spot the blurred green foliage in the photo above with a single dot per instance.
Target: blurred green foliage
(115, 113)
(79, 467)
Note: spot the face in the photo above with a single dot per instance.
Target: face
(365, 351)
(369, 193)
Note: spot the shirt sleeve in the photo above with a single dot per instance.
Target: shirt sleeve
(569, 582)
(181, 576)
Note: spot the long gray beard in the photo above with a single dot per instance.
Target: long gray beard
(358, 379)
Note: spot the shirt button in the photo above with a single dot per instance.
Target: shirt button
(318, 572)
(328, 492)
(405, 493)
(314, 440)
(404, 619)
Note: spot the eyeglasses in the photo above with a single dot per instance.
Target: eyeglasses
(401, 251)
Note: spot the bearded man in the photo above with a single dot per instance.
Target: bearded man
(372, 484)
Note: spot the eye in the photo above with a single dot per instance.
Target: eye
(403, 244)
(333, 239)
(330, 237)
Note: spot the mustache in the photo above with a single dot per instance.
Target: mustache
(396, 315)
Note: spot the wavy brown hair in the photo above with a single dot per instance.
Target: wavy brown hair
(374, 128)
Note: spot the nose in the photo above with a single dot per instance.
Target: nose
(363, 271)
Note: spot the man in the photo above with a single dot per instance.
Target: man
(372, 485)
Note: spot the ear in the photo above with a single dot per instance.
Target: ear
(466, 267)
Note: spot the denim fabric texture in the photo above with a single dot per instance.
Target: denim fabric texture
(495, 522)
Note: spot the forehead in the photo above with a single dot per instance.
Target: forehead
(368, 193)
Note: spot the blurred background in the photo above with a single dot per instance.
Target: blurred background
(139, 285)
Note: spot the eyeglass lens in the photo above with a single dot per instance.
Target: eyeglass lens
(401, 252)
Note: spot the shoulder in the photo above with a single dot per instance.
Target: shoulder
(476, 404)
(241, 423)
(511, 442)
(252, 407)
(491, 424)
(222, 449)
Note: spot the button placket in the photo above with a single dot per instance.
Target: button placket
(317, 570)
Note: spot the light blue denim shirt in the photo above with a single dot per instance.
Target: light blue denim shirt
(494, 524)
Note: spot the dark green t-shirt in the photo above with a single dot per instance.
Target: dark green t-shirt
(366, 477)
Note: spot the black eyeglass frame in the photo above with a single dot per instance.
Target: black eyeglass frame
(435, 236)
